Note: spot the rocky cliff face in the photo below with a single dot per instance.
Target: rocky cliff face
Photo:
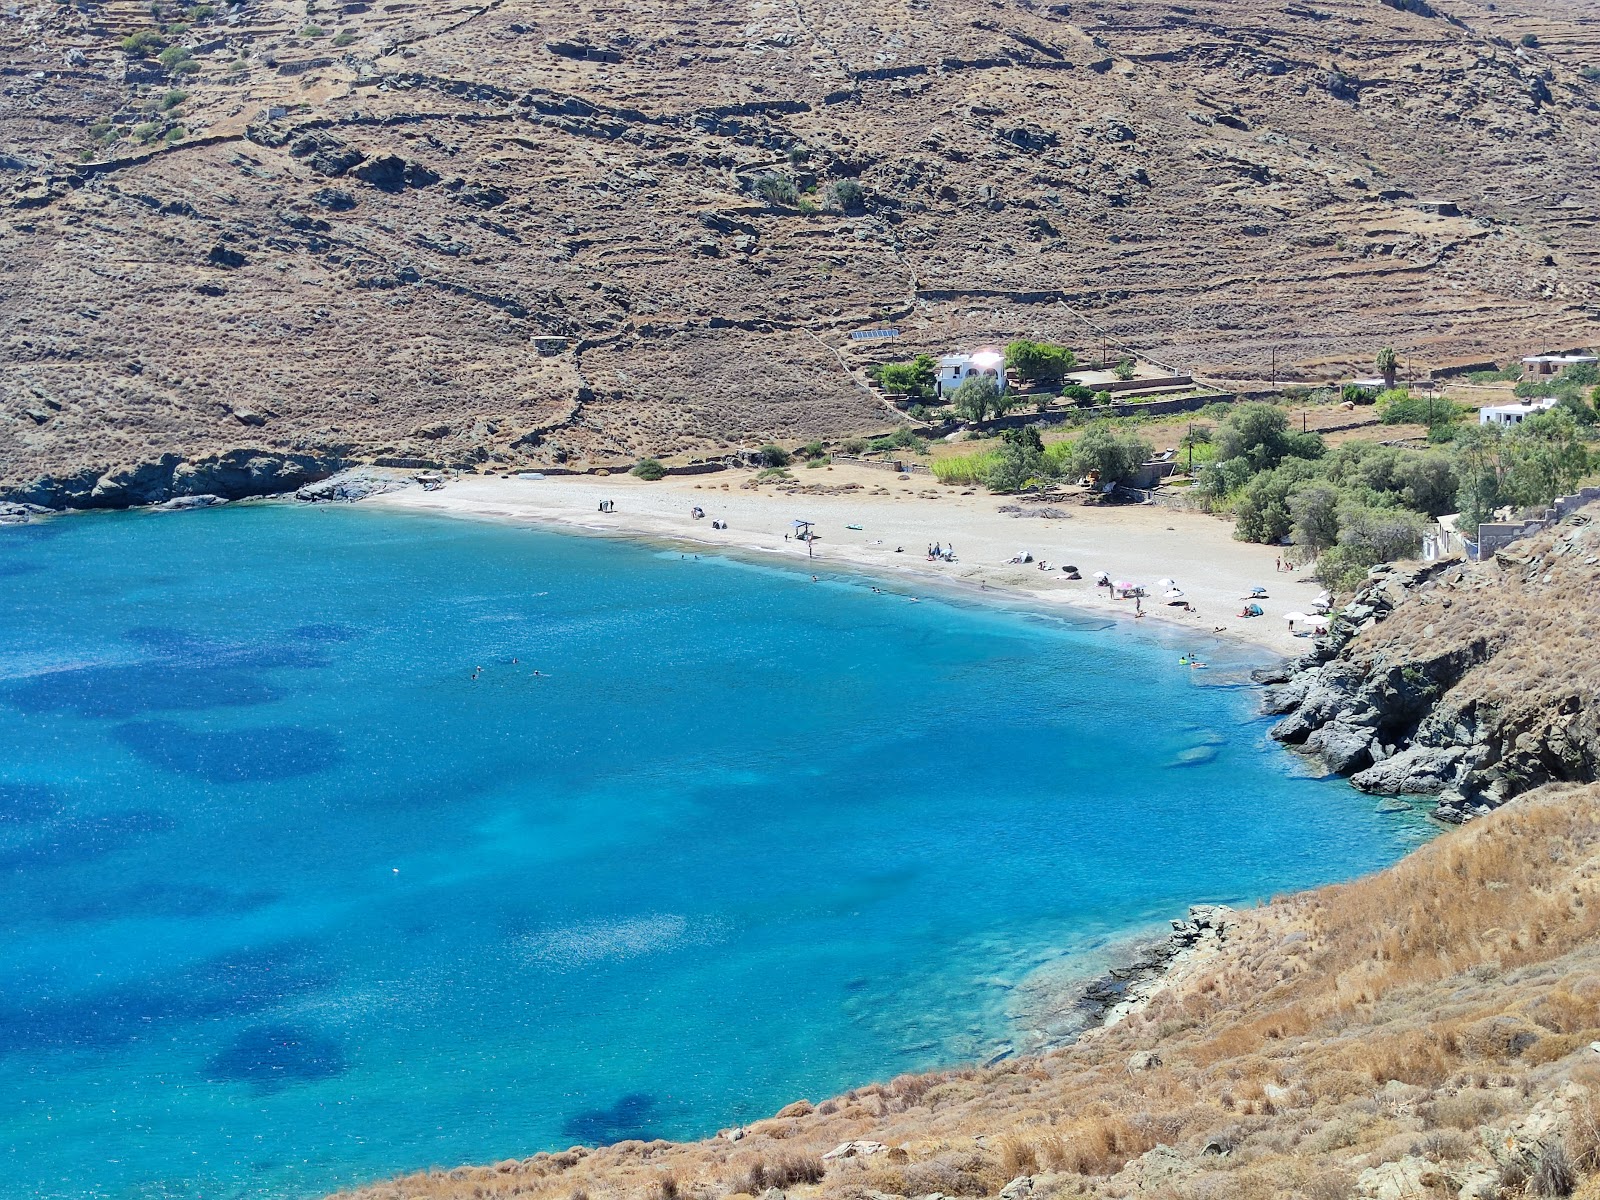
(522, 232)
(1470, 682)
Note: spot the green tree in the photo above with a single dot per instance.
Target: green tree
(1260, 434)
(1262, 511)
(1124, 369)
(1388, 366)
(1039, 362)
(1112, 454)
(773, 455)
(976, 398)
(1480, 469)
(915, 378)
(1314, 508)
(1018, 462)
(1544, 458)
(1428, 483)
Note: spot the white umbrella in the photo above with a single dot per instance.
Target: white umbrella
(1173, 595)
(1167, 584)
(1295, 616)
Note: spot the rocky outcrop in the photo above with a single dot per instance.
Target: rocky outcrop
(1469, 682)
(233, 475)
(1126, 989)
(355, 484)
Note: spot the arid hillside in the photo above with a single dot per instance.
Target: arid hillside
(526, 232)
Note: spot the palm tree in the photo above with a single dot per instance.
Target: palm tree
(1388, 366)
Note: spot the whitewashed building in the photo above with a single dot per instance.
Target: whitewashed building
(1509, 415)
(956, 369)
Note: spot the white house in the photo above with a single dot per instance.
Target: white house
(1507, 415)
(1550, 364)
(956, 369)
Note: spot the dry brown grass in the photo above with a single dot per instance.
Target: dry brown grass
(1403, 1013)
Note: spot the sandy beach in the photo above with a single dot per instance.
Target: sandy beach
(899, 519)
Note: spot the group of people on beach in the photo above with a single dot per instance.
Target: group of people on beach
(608, 506)
(941, 553)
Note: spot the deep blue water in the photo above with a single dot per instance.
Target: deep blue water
(293, 901)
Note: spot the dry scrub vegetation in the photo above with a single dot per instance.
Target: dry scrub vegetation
(1421, 1032)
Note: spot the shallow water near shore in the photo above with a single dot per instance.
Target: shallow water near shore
(293, 901)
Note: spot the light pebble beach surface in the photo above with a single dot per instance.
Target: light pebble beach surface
(1136, 543)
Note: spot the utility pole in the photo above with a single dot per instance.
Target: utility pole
(1274, 368)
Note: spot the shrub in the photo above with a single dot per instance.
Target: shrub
(1076, 393)
(854, 446)
(1529, 41)
(1102, 398)
(344, 38)
(141, 44)
(847, 195)
(650, 469)
(900, 439)
(1553, 1174)
(777, 188)
(172, 56)
(1399, 407)
(176, 134)
(773, 455)
(1124, 369)
(172, 99)
(313, 31)
(147, 132)
(202, 12)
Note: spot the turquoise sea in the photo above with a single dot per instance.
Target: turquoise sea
(292, 900)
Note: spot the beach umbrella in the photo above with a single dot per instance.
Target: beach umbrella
(1173, 595)
(1167, 584)
(1295, 616)
(1122, 585)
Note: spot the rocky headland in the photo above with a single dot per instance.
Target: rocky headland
(1471, 682)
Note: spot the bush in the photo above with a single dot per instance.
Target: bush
(900, 439)
(202, 12)
(773, 455)
(344, 38)
(855, 446)
(141, 44)
(313, 31)
(172, 56)
(1529, 41)
(1124, 369)
(176, 134)
(1076, 393)
(172, 99)
(1399, 407)
(776, 188)
(148, 132)
(650, 469)
(847, 195)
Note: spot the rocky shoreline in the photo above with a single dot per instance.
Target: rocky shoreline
(1404, 695)
(1124, 990)
(178, 485)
